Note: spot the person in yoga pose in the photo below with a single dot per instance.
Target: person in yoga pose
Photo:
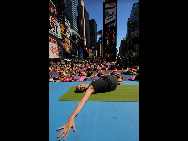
(109, 83)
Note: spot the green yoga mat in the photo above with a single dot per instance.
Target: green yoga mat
(121, 93)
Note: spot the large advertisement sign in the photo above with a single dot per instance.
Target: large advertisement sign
(110, 17)
(110, 28)
(67, 25)
(53, 49)
(67, 45)
(109, 1)
(110, 24)
(63, 30)
(54, 27)
(110, 5)
(52, 7)
(110, 37)
(80, 54)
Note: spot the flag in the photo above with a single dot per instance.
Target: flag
(99, 32)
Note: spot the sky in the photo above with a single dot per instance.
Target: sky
(95, 10)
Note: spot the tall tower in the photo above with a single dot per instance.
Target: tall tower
(83, 24)
(133, 32)
(81, 19)
(70, 11)
(93, 33)
(109, 29)
(74, 15)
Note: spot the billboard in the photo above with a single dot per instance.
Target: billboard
(67, 25)
(63, 30)
(80, 54)
(109, 47)
(110, 15)
(110, 5)
(110, 37)
(109, 1)
(52, 8)
(109, 28)
(67, 45)
(54, 27)
(108, 54)
(53, 49)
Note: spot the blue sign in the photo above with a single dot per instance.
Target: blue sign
(80, 53)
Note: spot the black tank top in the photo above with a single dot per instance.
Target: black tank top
(108, 83)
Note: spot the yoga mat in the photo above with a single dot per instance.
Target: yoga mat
(96, 77)
(54, 75)
(81, 78)
(77, 77)
(121, 93)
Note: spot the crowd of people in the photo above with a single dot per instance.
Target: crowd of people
(67, 71)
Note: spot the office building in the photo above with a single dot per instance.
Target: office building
(93, 35)
(70, 11)
(122, 48)
(133, 32)
(83, 30)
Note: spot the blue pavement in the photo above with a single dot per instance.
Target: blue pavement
(128, 76)
(97, 121)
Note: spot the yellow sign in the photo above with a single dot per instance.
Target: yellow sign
(67, 45)
(62, 30)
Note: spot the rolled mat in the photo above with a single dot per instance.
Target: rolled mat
(81, 78)
(121, 93)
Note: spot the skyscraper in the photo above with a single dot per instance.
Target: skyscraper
(81, 20)
(93, 36)
(87, 29)
(93, 33)
(133, 32)
(83, 24)
(70, 11)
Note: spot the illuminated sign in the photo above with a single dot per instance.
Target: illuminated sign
(67, 24)
(110, 15)
(53, 49)
(108, 54)
(110, 37)
(52, 7)
(67, 45)
(109, 47)
(109, 1)
(63, 30)
(110, 5)
(54, 27)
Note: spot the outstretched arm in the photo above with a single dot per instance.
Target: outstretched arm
(70, 123)
(78, 108)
